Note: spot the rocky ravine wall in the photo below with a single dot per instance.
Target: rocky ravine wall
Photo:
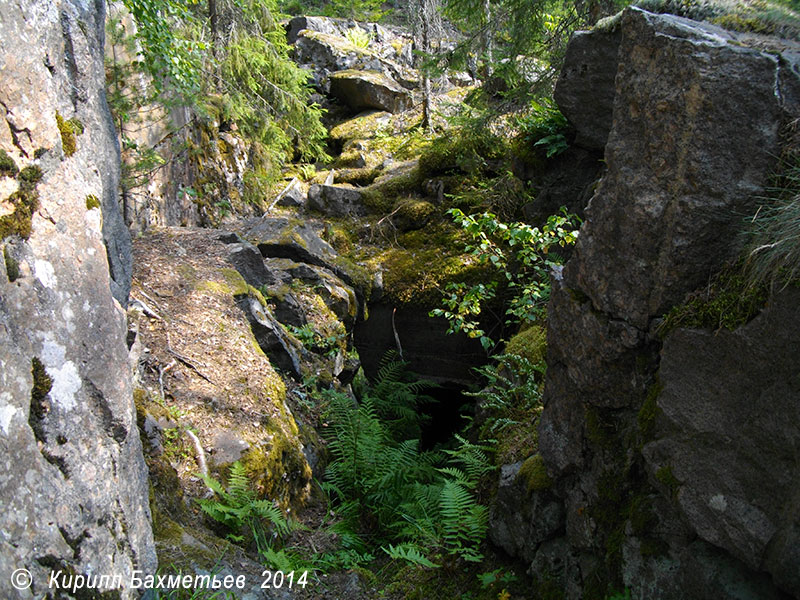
(674, 464)
(73, 483)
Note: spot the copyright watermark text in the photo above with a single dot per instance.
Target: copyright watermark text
(69, 581)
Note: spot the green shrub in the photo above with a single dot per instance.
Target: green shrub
(521, 255)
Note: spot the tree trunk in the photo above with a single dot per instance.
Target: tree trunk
(426, 80)
(487, 39)
(216, 42)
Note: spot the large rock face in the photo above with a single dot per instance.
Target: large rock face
(362, 90)
(73, 484)
(728, 429)
(678, 477)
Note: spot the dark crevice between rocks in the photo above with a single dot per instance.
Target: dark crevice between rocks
(74, 542)
(444, 414)
(113, 426)
(14, 131)
(40, 406)
(39, 409)
(69, 58)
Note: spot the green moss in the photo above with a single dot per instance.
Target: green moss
(139, 399)
(214, 287)
(235, 281)
(359, 127)
(646, 417)
(76, 125)
(535, 474)
(39, 152)
(667, 477)
(381, 195)
(548, 588)
(728, 302)
(340, 237)
(338, 43)
(266, 465)
(462, 151)
(412, 213)
(609, 24)
(530, 343)
(187, 272)
(255, 293)
(373, 77)
(12, 266)
(599, 429)
(8, 168)
(30, 175)
(352, 159)
(26, 202)
(762, 16)
(39, 407)
(92, 202)
(42, 383)
(68, 134)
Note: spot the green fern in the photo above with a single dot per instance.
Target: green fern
(412, 500)
(242, 513)
(410, 553)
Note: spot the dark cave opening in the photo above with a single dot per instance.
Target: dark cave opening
(447, 412)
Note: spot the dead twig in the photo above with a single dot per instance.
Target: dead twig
(186, 360)
(161, 376)
(144, 306)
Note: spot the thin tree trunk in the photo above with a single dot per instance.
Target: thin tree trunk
(216, 41)
(487, 40)
(426, 80)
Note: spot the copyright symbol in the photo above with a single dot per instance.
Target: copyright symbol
(21, 579)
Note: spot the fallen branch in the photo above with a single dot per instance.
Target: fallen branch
(396, 337)
(145, 308)
(281, 195)
(185, 360)
(201, 458)
(161, 377)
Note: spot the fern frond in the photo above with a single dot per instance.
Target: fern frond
(410, 553)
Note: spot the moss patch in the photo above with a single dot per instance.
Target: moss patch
(535, 474)
(42, 383)
(25, 201)
(338, 43)
(8, 168)
(236, 282)
(649, 411)
(92, 202)
(267, 464)
(12, 266)
(30, 175)
(729, 301)
(665, 476)
(69, 130)
(531, 344)
(381, 195)
(412, 213)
